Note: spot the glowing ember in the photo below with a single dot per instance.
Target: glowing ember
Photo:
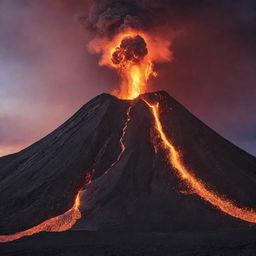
(132, 54)
(196, 185)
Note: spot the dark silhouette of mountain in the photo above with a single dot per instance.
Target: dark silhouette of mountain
(133, 187)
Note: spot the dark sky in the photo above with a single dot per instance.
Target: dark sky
(46, 72)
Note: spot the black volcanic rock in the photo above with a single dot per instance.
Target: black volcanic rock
(141, 192)
(42, 180)
(74, 243)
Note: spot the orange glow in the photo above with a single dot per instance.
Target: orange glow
(196, 185)
(6, 150)
(59, 223)
(56, 224)
(134, 76)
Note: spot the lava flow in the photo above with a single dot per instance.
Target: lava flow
(56, 224)
(121, 140)
(196, 185)
(133, 53)
(68, 219)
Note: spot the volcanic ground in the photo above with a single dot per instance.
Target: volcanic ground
(132, 200)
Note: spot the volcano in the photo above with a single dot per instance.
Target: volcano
(108, 169)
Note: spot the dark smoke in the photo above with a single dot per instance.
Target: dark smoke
(214, 55)
(108, 17)
(44, 62)
(132, 49)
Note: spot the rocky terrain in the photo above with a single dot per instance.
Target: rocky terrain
(136, 201)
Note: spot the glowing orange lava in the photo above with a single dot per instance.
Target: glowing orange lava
(121, 140)
(196, 185)
(56, 224)
(134, 76)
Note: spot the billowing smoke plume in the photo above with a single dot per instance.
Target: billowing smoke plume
(125, 39)
(109, 17)
(132, 49)
(213, 54)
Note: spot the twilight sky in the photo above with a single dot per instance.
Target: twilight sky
(47, 73)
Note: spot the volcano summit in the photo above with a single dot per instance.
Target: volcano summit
(142, 165)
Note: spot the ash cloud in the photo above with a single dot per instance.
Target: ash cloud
(46, 73)
(108, 17)
(214, 54)
(132, 49)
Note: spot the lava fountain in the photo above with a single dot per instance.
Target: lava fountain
(133, 54)
(134, 68)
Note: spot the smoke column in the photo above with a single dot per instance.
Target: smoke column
(124, 38)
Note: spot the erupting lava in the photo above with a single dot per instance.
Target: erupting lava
(132, 53)
(196, 185)
(134, 68)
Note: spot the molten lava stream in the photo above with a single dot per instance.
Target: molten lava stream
(56, 224)
(196, 185)
(121, 140)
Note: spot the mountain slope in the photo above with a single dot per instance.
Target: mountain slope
(134, 187)
(43, 180)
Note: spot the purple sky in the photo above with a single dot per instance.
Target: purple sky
(46, 72)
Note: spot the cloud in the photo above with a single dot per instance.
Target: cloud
(46, 73)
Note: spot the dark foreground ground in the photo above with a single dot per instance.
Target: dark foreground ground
(122, 244)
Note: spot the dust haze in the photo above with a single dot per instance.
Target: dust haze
(47, 73)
